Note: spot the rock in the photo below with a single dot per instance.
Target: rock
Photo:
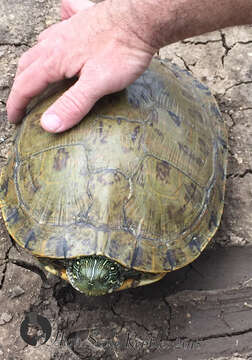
(16, 291)
(5, 318)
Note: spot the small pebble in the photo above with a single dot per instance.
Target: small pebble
(5, 318)
(16, 291)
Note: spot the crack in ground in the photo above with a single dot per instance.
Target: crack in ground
(200, 42)
(242, 43)
(14, 44)
(31, 267)
(114, 312)
(5, 266)
(231, 152)
(170, 315)
(232, 119)
(141, 326)
(118, 315)
(238, 84)
(246, 172)
(225, 46)
(215, 336)
(185, 63)
(127, 321)
(186, 275)
(228, 48)
(222, 313)
(230, 113)
(117, 300)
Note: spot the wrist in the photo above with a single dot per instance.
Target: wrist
(127, 16)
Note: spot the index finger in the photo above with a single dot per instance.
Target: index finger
(32, 81)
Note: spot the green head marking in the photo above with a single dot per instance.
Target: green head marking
(95, 275)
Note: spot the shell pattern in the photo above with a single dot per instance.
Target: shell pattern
(140, 180)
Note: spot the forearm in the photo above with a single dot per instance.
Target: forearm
(108, 46)
(162, 22)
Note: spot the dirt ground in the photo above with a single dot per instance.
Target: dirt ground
(203, 311)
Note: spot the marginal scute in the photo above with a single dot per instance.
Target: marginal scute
(170, 259)
(121, 246)
(140, 180)
(30, 240)
(12, 216)
(194, 244)
(213, 221)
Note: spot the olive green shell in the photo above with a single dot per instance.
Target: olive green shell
(140, 180)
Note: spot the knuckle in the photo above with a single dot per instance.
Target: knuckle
(73, 101)
(87, 93)
(52, 64)
(48, 69)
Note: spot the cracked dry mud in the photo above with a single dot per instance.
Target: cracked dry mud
(203, 311)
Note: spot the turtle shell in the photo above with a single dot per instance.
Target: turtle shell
(140, 180)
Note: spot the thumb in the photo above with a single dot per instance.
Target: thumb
(69, 109)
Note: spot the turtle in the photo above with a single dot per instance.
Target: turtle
(133, 192)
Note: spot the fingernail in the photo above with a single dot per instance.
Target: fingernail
(51, 122)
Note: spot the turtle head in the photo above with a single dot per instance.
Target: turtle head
(95, 275)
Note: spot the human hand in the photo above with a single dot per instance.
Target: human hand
(71, 7)
(90, 44)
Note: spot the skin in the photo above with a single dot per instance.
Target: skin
(95, 275)
(108, 45)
